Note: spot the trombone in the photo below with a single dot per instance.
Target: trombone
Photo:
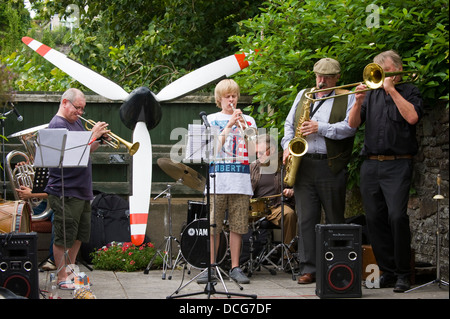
(115, 140)
(373, 76)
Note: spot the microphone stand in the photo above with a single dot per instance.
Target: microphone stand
(3, 117)
(209, 288)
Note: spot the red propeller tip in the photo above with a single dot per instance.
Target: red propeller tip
(241, 60)
(27, 40)
(137, 240)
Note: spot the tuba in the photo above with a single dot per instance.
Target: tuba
(298, 147)
(24, 175)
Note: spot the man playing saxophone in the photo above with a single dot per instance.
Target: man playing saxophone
(320, 180)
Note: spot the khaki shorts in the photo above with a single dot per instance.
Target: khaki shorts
(77, 216)
(238, 208)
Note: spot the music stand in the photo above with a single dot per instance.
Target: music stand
(209, 288)
(59, 148)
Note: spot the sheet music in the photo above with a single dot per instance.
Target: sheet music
(198, 144)
(54, 145)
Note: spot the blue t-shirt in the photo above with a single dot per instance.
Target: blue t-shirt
(77, 180)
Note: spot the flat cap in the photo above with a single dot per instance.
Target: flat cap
(327, 66)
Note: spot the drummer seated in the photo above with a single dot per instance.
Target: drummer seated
(266, 183)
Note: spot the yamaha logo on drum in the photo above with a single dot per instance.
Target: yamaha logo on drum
(198, 232)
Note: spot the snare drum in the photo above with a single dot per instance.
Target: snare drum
(15, 216)
(193, 244)
(259, 207)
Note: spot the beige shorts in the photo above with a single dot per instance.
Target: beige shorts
(238, 208)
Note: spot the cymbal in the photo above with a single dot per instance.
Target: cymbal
(264, 198)
(179, 171)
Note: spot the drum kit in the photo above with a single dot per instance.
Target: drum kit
(195, 234)
(188, 177)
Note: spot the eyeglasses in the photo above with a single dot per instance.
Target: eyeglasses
(80, 109)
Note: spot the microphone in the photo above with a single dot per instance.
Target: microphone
(19, 117)
(204, 118)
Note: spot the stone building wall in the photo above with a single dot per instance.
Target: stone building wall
(432, 159)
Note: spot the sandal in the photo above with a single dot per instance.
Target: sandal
(66, 285)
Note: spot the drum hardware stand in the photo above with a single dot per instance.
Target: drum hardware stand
(254, 263)
(282, 245)
(438, 279)
(209, 288)
(167, 243)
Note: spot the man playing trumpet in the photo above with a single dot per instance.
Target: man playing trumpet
(77, 188)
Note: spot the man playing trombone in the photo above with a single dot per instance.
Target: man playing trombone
(390, 114)
(77, 188)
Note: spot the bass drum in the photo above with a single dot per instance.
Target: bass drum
(15, 216)
(193, 247)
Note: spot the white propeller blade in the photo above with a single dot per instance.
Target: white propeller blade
(82, 74)
(205, 75)
(142, 160)
(142, 183)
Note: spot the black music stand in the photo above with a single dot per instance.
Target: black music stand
(59, 148)
(209, 288)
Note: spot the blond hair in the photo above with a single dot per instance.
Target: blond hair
(223, 87)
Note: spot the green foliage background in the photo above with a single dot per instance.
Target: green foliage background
(292, 35)
(153, 42)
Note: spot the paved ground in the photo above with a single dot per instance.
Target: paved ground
(265, 286)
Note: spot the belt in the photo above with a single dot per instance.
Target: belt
(316, 156)
(388, 157)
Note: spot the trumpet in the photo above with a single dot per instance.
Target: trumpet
(373, 78)
(247, 131)
(115, 140)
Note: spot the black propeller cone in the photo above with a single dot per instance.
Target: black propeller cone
(140, 105)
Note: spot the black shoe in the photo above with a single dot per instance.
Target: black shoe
(387, 280)
(402, 284)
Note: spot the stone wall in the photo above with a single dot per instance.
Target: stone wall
(432, 159)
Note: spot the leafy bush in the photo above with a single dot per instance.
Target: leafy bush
(125, 257)
(292, 35)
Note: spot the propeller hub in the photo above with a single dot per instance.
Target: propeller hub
(140, 106)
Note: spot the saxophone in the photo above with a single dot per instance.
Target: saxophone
(298, 147)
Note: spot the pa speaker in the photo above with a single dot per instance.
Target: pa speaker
(18, 264)
(338, 261)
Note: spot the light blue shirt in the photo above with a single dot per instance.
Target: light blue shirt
(316, 141)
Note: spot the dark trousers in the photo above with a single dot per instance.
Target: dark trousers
(316, 188)
(385, 191)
